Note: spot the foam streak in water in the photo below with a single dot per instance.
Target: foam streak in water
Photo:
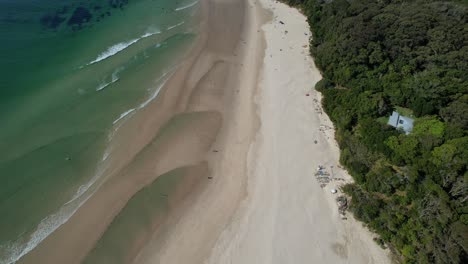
(115, 78)
(46, 227)
(158, 89)
(186, 6)
(49, 224)
(119, 47)
(176, 25)
(123, 115)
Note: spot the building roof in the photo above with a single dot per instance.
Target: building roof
(393, 120)
(398, 121)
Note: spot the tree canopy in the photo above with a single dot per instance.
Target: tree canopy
(379, 55)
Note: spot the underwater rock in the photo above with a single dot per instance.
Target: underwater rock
(79, 16)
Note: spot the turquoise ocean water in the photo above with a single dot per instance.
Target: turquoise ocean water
(72, 71)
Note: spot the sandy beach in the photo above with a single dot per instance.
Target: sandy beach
(286, 216)
(266, 202)
(236, 117)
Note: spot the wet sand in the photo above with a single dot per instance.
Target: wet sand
(235, 112)
(176, 130)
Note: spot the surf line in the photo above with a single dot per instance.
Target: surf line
(176, 25)
(186, 6)
(114, 78)
(52, 222)
(114, 49)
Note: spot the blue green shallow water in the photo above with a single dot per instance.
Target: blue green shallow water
(137, 221)
(71, 71)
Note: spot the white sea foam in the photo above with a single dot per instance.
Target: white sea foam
(85, 187)
(16, 250)
(111, 51)
(152, 97)
(176, 25)
(162, 81)
(123, 115)
(103, 85)
(46, 227)
(186, 6)
(116, 128)
(119, 124)
(115, 78)
(106, 155)
(52, 222)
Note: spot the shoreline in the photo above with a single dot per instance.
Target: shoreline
(216, 58)
(235, 111)
(191, 234)
(73, 240)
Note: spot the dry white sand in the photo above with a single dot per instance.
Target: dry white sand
(287, 217)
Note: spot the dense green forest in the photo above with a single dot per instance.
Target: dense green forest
(380, 55)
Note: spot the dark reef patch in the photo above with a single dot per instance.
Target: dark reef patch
(118, 3)
(80, 15)
(52, 21)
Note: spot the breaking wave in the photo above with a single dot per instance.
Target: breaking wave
(163, 79)
(111, 51)
(48, 225)
(123, 115)
(16, 249)
(186, 6)
(176, 25)
(114, 78)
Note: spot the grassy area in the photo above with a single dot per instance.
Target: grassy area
(404, 111)
(383, 120)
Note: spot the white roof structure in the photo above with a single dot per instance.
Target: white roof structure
(398, 121)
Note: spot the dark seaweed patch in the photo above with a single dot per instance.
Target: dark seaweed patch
(118, 3)
(63, 11)
(80, 15)
(52, 21)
